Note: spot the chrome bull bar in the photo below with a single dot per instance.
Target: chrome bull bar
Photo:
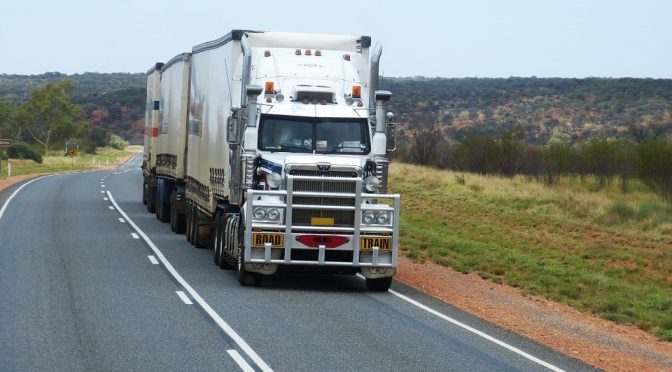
(290, 232)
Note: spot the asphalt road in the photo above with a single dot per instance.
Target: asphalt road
(89, 281)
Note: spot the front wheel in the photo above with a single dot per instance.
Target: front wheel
(245, 278)
(379, 284)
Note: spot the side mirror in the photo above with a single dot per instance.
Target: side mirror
(233, 132)
(391, 132)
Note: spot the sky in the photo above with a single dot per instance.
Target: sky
(476, 38)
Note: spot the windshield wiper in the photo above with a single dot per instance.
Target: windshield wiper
(283, 146)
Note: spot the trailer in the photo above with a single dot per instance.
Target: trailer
(151, 134)
(287, 153)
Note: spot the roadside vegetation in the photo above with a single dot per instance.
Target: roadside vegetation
(599, 247)
(57, 161)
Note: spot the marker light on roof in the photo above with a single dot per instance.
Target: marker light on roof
(309, 52)
(267, 53)
(346, 57)
(297, 52)
(318, 52)
(356, 91)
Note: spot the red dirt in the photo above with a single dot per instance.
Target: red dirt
(596, 341)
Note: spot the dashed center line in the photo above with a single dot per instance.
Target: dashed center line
(153, 260)
(122, 220)
(135, 236)
(111, 207)
(106, 199)
(184, 298)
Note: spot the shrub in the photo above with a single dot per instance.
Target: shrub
(22, 150)
(117, 142)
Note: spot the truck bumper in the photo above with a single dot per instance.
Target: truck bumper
(371, 248)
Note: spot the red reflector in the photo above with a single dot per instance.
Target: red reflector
(155, 132)
(329, 241)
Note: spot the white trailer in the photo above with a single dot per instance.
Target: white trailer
(287, 155)
(171, 143)
(151, 134)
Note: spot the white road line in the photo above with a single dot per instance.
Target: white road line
(476, 331)
(201, 302)
(122, 220)
(102, 191)
(4, 206)
(102, 185)
(111, 207)
(135, 236)
(184, 298)
(242, 363)
(105, 199)
(153, 260)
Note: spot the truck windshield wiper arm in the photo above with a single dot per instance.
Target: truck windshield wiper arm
(292, 147)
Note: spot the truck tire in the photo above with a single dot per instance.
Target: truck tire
(245, 278)
(162, 209)
(144, 193)
(199, 239)
(217, 244)
(177, 220)
(379, 284)
(151, 199)
(189, 223)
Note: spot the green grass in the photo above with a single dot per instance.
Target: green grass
(600, 250)
(57, 162)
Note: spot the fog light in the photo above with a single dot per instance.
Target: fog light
(259, 213)
(368, 217)
(383, 218)
(273, 214)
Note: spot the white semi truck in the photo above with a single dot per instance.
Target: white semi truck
(284, 155)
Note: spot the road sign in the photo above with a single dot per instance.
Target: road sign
(5, 142)
(71, 149)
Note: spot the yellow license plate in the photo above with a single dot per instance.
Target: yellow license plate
(322, 221)
(277, 240)
(384, 243)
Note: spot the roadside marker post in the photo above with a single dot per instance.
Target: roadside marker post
(6, 142)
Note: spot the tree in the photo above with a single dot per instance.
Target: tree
(7, 112)
(50, 117)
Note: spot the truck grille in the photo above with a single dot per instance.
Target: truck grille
(341, 218)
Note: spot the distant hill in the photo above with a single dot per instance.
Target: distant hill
(577, 108)
(114, 101)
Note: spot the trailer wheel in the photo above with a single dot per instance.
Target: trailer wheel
(151, 199)
(189, 223)
(172, 212)
(162, 209)
(246, 279)
(199, 239)
(177, 223)
(144, 193)
(217, 255)
(379, 284)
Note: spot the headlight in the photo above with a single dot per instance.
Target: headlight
(368, 217)
(372, 183)
(383, 218)
(259, 213)
(274, 180)
(273, 214)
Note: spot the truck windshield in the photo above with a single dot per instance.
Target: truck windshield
(320, 135)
